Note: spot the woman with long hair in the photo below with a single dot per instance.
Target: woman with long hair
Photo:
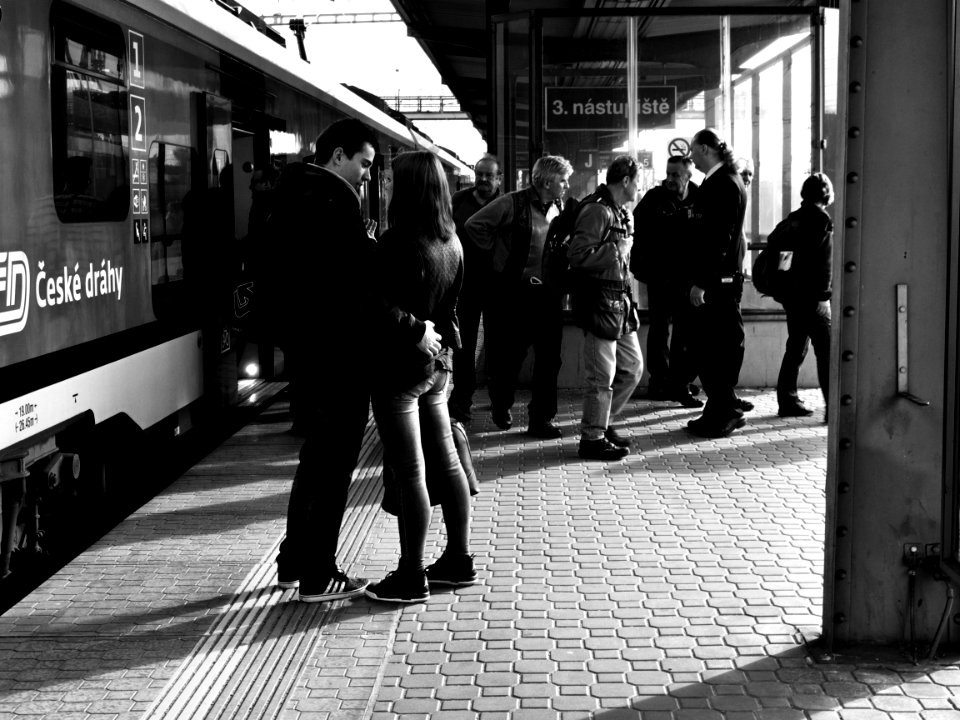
(419, 270)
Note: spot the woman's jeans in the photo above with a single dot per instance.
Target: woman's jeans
(415, 430)
(612, 370)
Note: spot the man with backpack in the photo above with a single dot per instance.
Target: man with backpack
(521, 310)
(603, 307)
(802, 248)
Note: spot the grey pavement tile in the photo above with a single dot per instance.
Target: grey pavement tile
(677, 584)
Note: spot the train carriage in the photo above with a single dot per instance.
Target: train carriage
(132, 129)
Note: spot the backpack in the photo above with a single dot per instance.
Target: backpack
(771, 269)
(555, 264)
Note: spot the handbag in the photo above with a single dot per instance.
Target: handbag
(436, 482)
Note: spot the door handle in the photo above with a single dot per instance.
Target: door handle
(903, 375)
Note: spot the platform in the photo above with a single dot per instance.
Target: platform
(681, 583)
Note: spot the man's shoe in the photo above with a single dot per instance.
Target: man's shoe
(744, 405)
(288, 577)
(336, 587)
(706, 428)
(687, 400)
(452, 571)
(544, 430)
(657, 392)
(503, 419)
(614, 437)
(601, 449)
(400, 586)
(797, 409)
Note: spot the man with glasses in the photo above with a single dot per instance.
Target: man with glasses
(660, 260)
(521, 311)
(476, 280)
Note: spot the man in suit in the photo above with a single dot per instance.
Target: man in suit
(718, 284)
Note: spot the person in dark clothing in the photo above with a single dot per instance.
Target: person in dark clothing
(476, 282)
(717, 284)
(323, 248)
(418, 274)
(521, 309)
(659, 259)
(806, 298)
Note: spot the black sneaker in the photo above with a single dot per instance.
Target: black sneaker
(744, 405)
(544, 430)
(336, 587)
(401, 587)
(615, 438)
(503, 419)
(288, 577)
(601, 449)
(452, 571)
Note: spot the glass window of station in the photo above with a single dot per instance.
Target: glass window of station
(756, 76)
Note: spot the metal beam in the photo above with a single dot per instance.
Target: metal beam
(332, 18)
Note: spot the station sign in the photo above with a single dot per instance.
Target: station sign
(605, 108)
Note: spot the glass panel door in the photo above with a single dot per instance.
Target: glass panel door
(751, 76)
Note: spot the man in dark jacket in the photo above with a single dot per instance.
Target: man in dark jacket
(806, 297)
(603, 306)
(718, 284)
(325, 247)
(476, 283)
(659, 259)
(521, 310)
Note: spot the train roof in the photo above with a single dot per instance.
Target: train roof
(208, 22)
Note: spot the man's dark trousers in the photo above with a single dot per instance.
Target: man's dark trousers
(521, 315)
(804, 326)
(668, 358)
(718, 338)
(337, 415)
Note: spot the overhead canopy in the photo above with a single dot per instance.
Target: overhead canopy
(457, 36)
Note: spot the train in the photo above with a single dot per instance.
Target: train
(135, 131)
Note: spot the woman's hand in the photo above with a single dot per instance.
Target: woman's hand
(430, 342)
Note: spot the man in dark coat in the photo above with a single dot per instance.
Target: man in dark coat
(806, 297)
(323, 248)
(476, 284)
(662, 244)
(718, 284)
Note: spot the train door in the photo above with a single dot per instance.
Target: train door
(211, 242)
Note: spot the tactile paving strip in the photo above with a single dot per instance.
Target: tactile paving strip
(250, 660)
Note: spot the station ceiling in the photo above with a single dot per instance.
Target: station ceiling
(456, 35)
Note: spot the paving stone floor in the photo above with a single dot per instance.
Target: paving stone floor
(680, 583)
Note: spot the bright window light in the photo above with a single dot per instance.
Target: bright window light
(774, 49)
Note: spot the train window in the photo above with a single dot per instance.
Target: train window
(171, 168)
(89, 104)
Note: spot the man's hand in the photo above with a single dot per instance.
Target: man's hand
(823, 308)
(697, 296)
(624, 245)
(430, 342)
(371, 229)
